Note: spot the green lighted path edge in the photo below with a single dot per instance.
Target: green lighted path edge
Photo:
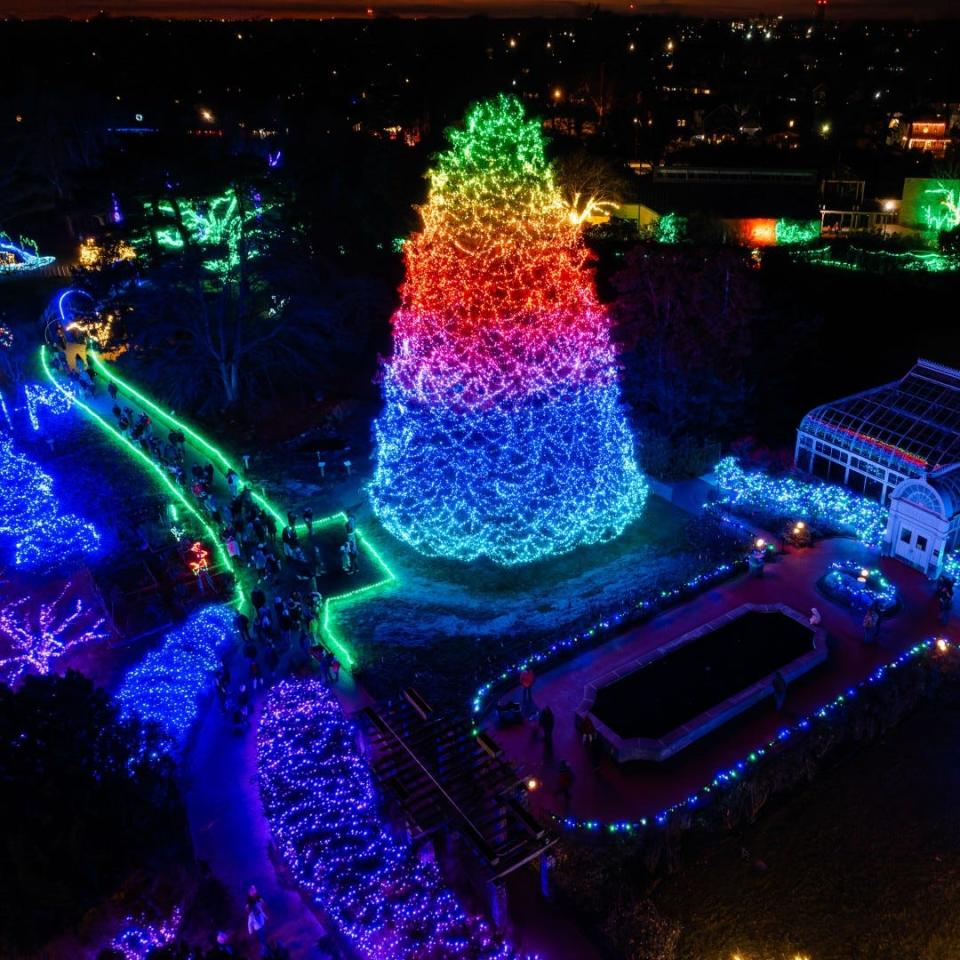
(327, 626)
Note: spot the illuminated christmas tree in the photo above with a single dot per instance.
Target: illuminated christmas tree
(503, 434)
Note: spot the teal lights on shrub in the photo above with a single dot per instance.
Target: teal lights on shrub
(670, 228)
(859, 587)
(795, 499)
(796, 232)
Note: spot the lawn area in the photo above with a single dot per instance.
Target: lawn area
(446, 626)
(863, 863)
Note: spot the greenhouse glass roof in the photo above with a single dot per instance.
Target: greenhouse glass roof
(911, 425)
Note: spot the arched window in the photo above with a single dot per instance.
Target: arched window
(921, 494)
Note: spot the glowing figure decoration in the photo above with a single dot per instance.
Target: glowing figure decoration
(503, 434)
(33, 637)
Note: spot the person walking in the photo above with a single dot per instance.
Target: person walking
(308, 517)
(565, 780)
(945, 602)
(869, 626)
(779, 690)
(526, 686)
(242, 623)
(546, 721)
(257, 917)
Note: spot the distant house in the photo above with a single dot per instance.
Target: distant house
(929, 136)
(734, 205)
(899, 444)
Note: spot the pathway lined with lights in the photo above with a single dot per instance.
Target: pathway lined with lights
(204, 450)
(621, 795)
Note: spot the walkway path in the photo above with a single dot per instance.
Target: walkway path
(639, 790)
(230, 831)
(227, 822)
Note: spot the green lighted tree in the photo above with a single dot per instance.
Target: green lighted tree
(231, 295)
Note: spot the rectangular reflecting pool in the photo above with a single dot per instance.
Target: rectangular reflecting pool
(654, 706)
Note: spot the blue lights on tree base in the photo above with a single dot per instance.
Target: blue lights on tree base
(515, 483)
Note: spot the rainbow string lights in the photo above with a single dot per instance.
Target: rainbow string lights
(165, 687)
(503, 434)
(322, 809)
(33, 637)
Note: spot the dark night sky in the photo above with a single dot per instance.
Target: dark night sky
(319, 8)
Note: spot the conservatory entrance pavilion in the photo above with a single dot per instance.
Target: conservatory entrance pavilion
(899, 444)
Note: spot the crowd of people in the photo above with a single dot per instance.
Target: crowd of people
(283, 563)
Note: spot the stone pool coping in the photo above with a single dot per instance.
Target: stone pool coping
(625, 749)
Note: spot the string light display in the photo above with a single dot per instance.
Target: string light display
(22, 257)
(42, 537)
(880, 261)
(791, 232)
(944, 212)
(384, 576)
(93, 255)
(670, 228)
(166, 685)
(801, 500)
(636, 611)
(37, 395)
(905, 455)
(727, 777)
(139, 937)
(34, 636)
(503, 434)
(217, 222)
(319, 799)
(859, 587)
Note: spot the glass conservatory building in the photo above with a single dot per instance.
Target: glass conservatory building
(899, 444)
